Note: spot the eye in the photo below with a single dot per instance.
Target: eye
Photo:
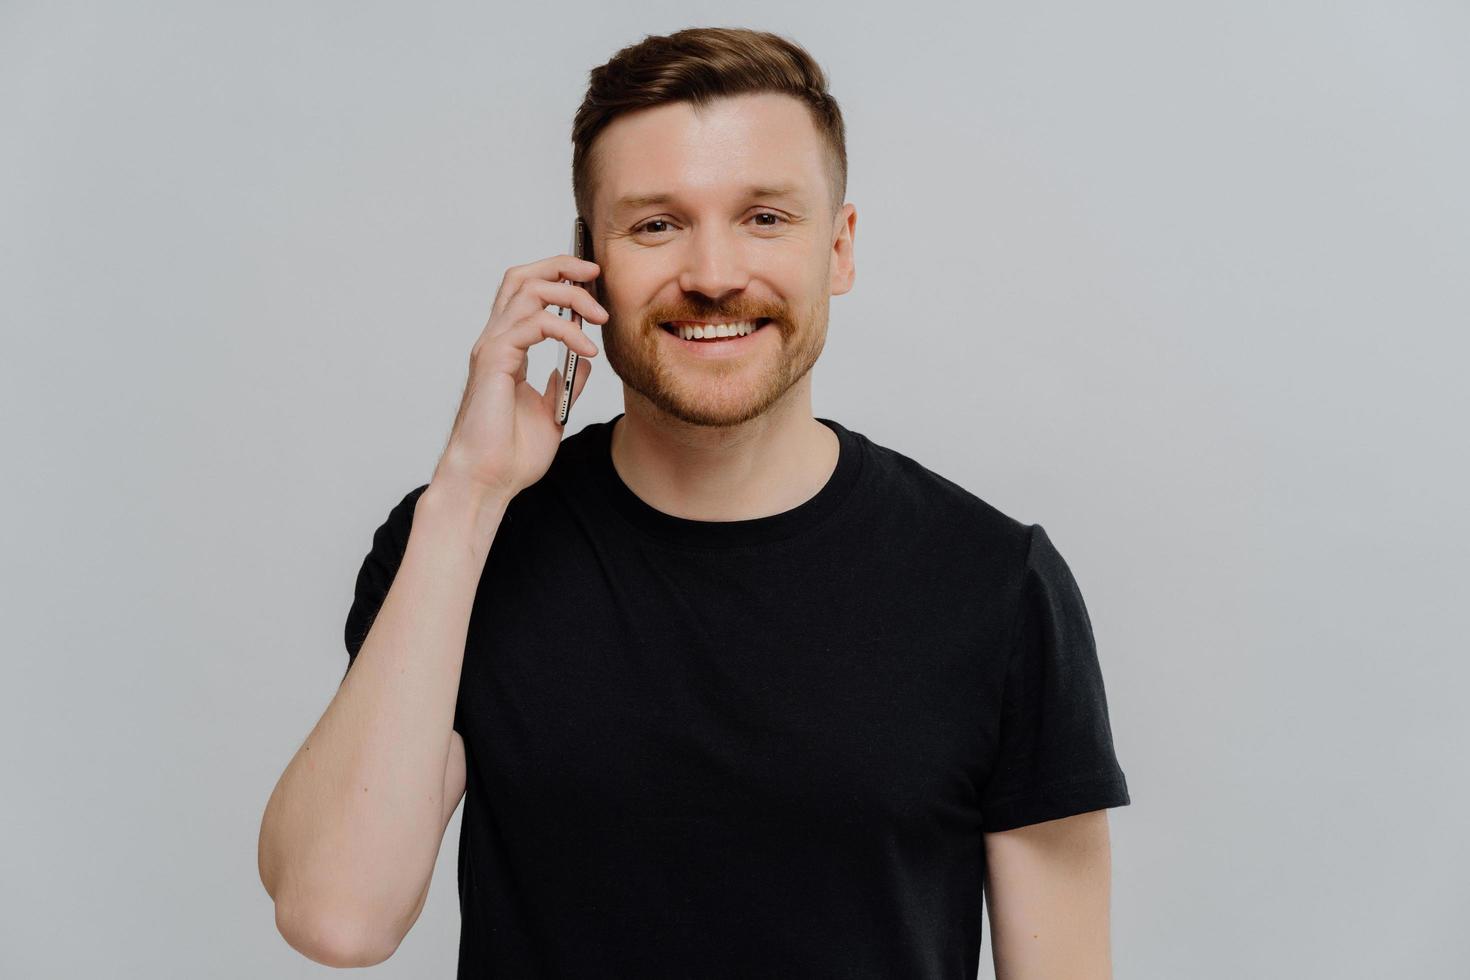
(647, 226)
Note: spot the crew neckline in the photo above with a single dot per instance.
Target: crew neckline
(729, 534)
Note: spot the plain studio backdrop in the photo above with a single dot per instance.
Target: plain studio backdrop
(1185, 283)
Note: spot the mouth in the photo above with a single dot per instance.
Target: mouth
(699, 332)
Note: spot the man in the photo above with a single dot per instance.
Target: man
(728, 690)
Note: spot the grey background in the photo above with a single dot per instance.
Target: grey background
(1185, 283)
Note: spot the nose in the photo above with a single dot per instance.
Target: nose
(713, 263)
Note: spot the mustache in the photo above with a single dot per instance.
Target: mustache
(713, 315)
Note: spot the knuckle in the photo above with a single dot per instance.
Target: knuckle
(514, 282)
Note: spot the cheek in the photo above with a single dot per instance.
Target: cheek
(622, 295)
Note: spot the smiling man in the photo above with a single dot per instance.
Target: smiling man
(728, 689)
(721, 236)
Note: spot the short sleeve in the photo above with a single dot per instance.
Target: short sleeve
(379, 567)
(1055, 754)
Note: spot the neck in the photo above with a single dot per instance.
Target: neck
(765, 466)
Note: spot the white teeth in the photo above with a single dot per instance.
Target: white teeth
(700, 332)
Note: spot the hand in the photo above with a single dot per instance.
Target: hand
(506, 435)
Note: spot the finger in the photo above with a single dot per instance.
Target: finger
(538, 295)
(584, 370)
(564, 296)
(552, 394)
(507, 352)
(552, 269)
(543, 325)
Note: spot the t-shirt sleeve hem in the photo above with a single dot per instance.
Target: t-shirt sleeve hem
(1064, 798)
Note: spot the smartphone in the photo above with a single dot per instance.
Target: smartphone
(582, 249)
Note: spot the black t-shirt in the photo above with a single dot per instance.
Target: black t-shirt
(757, 748)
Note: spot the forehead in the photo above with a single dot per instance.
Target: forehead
(724, 148)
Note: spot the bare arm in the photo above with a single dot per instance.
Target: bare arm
(352, 831)
(1048, 887)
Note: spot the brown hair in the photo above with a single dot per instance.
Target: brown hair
(698, 65)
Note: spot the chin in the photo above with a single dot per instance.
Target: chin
(713, 415)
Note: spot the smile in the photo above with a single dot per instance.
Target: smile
(698, 330)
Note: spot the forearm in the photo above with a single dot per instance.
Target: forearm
(352, 831)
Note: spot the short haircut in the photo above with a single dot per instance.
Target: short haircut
(699, 65)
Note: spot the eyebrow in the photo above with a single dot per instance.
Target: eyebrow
(632, 202)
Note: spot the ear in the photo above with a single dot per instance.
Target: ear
(843, 269)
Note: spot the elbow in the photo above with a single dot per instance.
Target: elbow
(334, 940)
(322, 931)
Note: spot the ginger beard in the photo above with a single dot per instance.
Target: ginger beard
(718, 393)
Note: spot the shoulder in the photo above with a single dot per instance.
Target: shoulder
(920, 496)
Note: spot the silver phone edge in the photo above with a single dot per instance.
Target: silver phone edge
(569, 356)
(569, 377)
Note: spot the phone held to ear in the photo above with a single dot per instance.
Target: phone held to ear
(582, 249)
